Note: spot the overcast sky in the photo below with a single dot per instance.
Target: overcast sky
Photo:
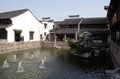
(57, 9)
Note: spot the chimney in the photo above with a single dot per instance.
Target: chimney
(73, 16)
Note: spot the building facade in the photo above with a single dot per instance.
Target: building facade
(69, 28)
(47, 25)
(19, 25)
(113, 14)
(97, 27)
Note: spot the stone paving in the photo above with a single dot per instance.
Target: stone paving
(55, 68)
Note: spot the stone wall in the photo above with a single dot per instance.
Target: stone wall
(16, 46)
(62, 45)
(9, 47)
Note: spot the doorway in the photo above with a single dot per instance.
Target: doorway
(17, 35)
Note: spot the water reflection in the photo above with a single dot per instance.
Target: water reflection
(56, 63)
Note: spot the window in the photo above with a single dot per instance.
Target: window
(31, 35)
(17, 35)
(44, 33)
(53, 26)
(41, 37)
(45, 26)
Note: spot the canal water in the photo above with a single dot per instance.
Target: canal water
(56, 64)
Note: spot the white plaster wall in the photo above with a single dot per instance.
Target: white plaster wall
(10, 34)
(48, 28)
(25, 22)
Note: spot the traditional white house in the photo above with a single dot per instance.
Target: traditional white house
(47, 25)
(19, 25)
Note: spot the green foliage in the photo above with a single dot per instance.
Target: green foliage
(69, 41)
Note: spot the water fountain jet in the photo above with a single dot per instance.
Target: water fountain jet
(42, 64)
(14, 58)
(45, 59)
(6, 64)
(31, 57)
(20, 67)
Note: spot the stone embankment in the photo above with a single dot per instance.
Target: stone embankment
(16, 46)
(61, 45)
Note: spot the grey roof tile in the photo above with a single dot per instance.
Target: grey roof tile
(71, 21)
(101, 20)
(64, 30)
(12, 14)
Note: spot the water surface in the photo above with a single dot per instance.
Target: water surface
(57, 66)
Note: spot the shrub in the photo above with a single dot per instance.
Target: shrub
(69, 41)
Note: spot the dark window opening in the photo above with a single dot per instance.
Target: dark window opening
(44, 33)
(41, 37)
(5, 21)
(53, 26)
(17, 35)
(3, 34)
(45, 26)
(31, 35)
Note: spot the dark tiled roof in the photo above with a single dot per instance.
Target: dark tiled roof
(102, 20)
(64, 30)
(73, 31)
(94, 25)
(46, 20)
(4, 26)
(96, 30)
(71, 21)
(57, 22)
(12, 14)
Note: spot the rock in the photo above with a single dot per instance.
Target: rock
(86, 55)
